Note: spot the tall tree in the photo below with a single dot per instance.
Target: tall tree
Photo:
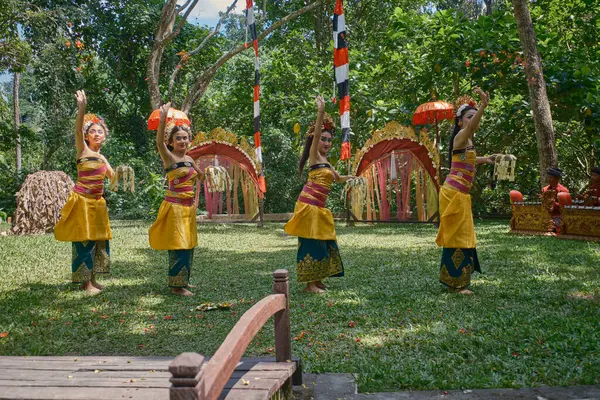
(15, 54)
(168, 30)
(542, 116)
(17, 120)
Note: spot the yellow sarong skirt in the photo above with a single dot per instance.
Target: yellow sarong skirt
(83, 219)
(175, 228)
(456, 220)
(311, 222)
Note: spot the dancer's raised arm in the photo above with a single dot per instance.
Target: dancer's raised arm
(79, 134)
(466, 133)
(314, 148)
(164, 152)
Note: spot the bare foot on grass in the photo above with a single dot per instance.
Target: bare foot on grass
(311, 287)
(181, 292)
(321, 285)
(97, 285)
(90, 288)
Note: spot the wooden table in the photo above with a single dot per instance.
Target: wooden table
(144, 378)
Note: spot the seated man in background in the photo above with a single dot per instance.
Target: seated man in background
(592, 196)
(554, 175)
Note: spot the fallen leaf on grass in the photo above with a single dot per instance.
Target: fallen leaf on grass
(300, 336)
(3, 334)
(213, 306)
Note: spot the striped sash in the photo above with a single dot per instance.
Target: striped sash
(314, 194)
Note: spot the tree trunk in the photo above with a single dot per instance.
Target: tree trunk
(17, 120)
(456, 85)
(165, 27)
(542, 117)
(488, 7)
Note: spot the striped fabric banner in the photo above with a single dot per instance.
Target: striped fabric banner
(251, 25)
(340, 63)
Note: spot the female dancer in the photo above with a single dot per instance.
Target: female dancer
(318, 255)
(457, 233)
(84, 217)
(175, 226)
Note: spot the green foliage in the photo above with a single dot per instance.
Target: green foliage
(281, 160)
(401, 54)
(15, 53)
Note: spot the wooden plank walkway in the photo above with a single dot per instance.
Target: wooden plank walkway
(144, 378)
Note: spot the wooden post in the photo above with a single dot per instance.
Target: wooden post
(187, 382)
(348, 209)
(261, 212)
(437, 146)
(283, 340)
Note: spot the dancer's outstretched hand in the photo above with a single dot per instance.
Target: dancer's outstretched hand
(81, 99)
(164, 111)
(483, 96)
(320, 102)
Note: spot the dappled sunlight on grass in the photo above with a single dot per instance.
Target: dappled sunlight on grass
(533, 320)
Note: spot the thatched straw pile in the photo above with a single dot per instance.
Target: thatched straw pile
(39, 202)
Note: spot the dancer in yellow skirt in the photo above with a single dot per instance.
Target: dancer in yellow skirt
(84, 218)
(175, 226)
(318, 255)
(457, 233)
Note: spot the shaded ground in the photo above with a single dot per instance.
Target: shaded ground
(535, 318)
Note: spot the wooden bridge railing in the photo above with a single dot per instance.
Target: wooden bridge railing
(191, 382)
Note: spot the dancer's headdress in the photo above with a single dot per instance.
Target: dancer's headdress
(462, 103)
(180, 124)
(93, 119)
(328, 125)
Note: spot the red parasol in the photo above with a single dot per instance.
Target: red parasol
(174, 114)
(431, 113)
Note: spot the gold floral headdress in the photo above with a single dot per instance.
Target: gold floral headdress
(181, 124)
(328, 125)
(93, 119)
(462, 103)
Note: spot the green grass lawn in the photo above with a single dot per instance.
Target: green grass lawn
(534, 320)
